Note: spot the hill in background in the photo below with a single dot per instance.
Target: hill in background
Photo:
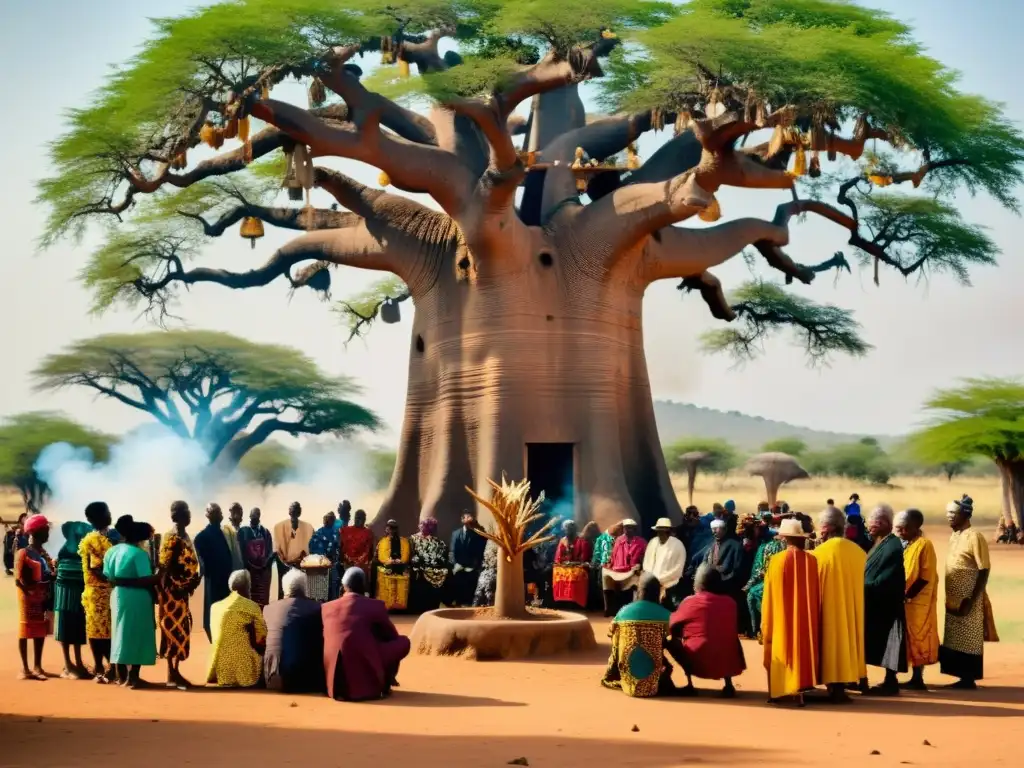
(679, 420)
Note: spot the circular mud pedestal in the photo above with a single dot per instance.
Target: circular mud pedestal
(478, 634)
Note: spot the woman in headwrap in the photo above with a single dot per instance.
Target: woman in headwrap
(570, 577)
(96, 594)
(179, 579)
(33, 576)
(393, 556)
(69, 613)
(129, 569)
(969, 620)
(429, 567)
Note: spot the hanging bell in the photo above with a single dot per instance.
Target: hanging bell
(389, 312)
(383, 179)
(291, 181)
(243, 129)
(403, 68)
(252, 228)
(206, 134)
(799, 161)
(712, 213)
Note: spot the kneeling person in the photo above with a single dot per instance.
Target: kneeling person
(637, 663)
(239, 637)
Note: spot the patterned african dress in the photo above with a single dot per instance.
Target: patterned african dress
(755, 585)
(637, 661)
(429, 571)
(570, 577)
(133, 627)
(178, 581)
(234, 662)
(33, 572)
(487, 581)
(393, 578)
(69, 615)
(96, 594)
(962, 651)
(258, 554)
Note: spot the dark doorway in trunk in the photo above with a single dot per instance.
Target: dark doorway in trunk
(550, 468)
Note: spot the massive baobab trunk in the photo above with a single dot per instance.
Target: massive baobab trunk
(1011, 475)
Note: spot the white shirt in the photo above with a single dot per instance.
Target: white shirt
(666, 561)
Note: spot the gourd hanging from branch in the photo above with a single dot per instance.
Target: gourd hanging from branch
(383, 179)
(252, 228)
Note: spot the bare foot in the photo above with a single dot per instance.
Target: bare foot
(70, 674)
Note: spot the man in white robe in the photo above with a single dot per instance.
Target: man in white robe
(665, 559)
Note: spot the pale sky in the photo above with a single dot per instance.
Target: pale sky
(925, 336)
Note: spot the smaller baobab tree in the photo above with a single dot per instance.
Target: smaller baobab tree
(514, 511)
(776, 469)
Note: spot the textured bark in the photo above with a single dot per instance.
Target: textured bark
(1011, 474)
(510, 588)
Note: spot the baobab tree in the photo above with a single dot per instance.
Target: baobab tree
(528, 270)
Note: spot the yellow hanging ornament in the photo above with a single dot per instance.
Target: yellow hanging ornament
(799, 161)
(252, 228)
(243, 129)
(403, 68)
(607, 34)
(383, 179)
(265, 92)
(879, 180)
(632, 158)
(712, 213)
(206, 134)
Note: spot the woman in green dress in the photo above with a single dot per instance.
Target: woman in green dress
(67, 600)
(128, 567)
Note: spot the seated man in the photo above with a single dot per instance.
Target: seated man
(637, 663)
(620, 577)
(239, 636)
(293, 661)
(665, 558)
(362, 648)
(704, 637)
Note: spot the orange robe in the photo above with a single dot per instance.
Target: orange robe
(790, 623)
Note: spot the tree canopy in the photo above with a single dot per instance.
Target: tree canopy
(24, 437)
(793, 446)
(228, 394)
(267, 464)
(836, 102)
(721, 456)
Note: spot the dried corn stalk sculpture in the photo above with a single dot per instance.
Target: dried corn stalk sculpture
(513, 511)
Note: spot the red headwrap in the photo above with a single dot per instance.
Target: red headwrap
(35, 523)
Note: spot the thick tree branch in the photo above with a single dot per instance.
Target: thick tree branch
(309, 219)
(710, 289)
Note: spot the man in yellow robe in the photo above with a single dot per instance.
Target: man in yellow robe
(841, 576)
(922, 569)
(789, 620)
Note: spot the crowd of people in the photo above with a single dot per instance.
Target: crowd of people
(825, 603)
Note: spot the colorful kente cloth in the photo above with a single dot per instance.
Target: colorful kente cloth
(179, 578)
(96, 594)
(133, 635)
(570, 577)
(234, 663)
(69, 615)
(637, 661)
(790, 623)
(920, 563)
(393, 578)
(963, 644)
(755, 586)
(429, 571)
(33, 572)
(257, 553)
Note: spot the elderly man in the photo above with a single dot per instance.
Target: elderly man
(922, 570)
(623, 572)
(885, 625)
(570, 577)
(841, 578)
(239, 637)
(726, 556)
(293, 662)
(969, 620)
(215, 562)
(291, 543)
(665, 558)
(790, 623)
(467, 555)
(258, 554)
(362, 648)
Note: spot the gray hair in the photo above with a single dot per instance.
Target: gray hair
(882, 512)
(832, 517)
(354, 580)
(294, 583)
(707, 579)
(239, 579)
(902, 518)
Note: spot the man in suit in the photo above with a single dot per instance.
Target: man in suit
(215, 562)
(362, 648)
(467, 556)
(293, 661)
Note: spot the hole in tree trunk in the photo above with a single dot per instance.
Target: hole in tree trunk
(549, 468)
(464, 263)
(419, 343)
(546, 259)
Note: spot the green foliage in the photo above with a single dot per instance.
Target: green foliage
(793, 446)
(224, 381)
(267, 464)
(763, 308)
(983, 417)
(24, 436)
(721, 455)
(381, 467)
(863, 460)
(358, 311)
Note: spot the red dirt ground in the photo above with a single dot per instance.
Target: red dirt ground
(457, 713)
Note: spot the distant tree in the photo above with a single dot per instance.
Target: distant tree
(794, 446)
(861, 461)
(983, 417)
(721, 455)
(267, 465)
(381, 467)
(23, 438)
(817, 463)
(953, 468)
(226, 393)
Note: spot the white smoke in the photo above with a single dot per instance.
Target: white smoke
(151, 467)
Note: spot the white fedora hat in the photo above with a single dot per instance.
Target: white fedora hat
(663, 522)
(791, 528)
(629, 522)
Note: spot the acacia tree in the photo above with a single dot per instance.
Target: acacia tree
(24, 437)
(267, 465)
(982, 417)
(226, 393)
(528, 275)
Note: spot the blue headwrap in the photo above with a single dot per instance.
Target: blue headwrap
(730, 506)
